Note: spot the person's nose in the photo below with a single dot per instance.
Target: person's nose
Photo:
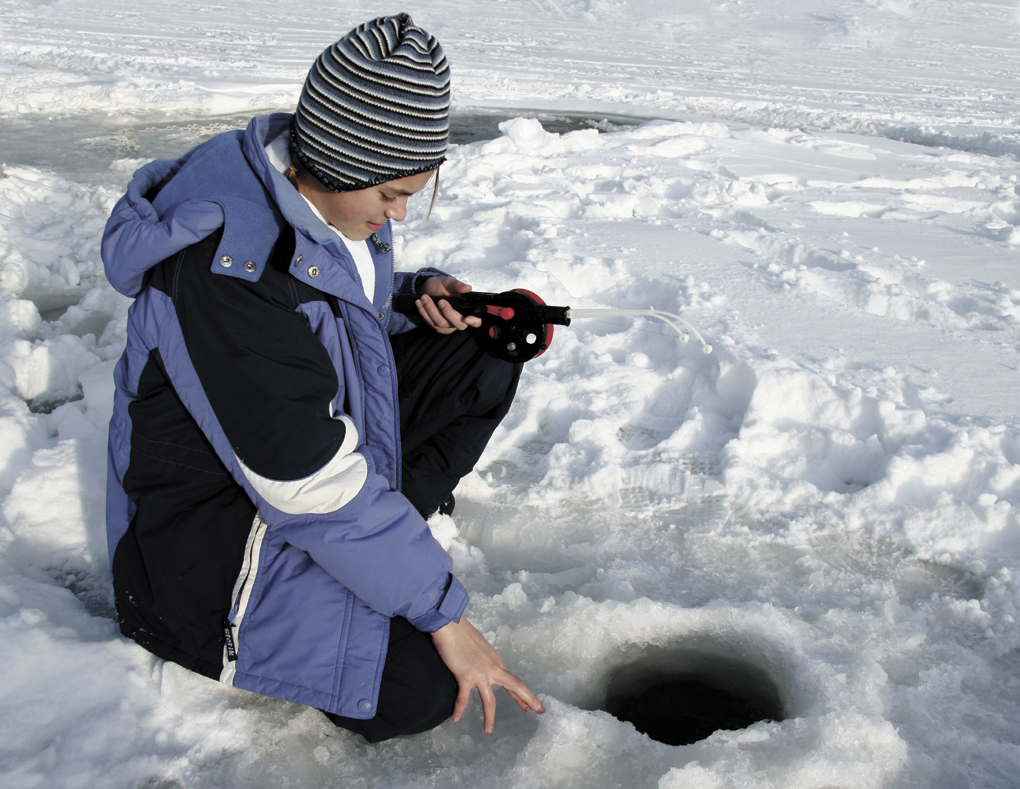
(398, 211)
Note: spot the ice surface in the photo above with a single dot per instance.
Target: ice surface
(828, 190)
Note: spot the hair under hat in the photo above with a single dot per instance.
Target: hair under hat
(375, 107)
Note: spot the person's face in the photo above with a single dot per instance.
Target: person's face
(360, 214)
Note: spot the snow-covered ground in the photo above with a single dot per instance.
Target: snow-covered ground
(828, 504)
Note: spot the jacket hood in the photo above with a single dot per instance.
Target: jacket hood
(137, 238)
(225, 182)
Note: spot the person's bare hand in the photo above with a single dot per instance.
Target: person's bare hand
(476, 665)
(437, 312)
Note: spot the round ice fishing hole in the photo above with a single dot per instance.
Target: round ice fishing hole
(678, 696)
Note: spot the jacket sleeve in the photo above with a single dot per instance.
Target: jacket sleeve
(249, 366)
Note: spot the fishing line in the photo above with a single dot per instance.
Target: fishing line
(518, 325)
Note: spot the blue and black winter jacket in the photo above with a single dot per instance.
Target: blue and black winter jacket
(255, 524)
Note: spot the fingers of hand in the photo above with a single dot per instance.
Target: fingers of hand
(523, 704)
(445, 286)
(520, 693)
(442, 317)
(488, 707)
(428, 310)
(463, 697)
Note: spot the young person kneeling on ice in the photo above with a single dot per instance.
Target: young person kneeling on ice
(279, 433)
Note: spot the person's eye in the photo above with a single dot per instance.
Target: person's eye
(388, 198)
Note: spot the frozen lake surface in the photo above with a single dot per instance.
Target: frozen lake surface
(820, 517)
(81, 146)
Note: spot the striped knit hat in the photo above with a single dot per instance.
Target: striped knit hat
(375, 107)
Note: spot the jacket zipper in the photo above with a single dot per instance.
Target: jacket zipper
(242, 592)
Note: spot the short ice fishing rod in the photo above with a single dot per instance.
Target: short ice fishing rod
(518, 325)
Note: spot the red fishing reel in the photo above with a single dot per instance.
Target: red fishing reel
(514, 328)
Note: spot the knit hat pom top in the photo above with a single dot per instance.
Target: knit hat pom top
(375, 107)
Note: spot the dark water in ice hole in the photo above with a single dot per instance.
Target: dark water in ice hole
(679, 695)
(683, 711)
(81, 148)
